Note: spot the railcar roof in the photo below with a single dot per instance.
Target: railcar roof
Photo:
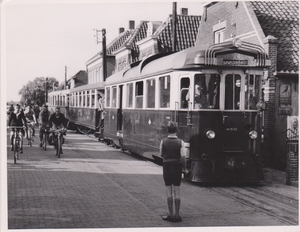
(98, 85)
(191, 58)
(62, 91)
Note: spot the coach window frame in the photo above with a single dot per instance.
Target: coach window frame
(160, 93)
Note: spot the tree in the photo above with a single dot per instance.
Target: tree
(35, 91)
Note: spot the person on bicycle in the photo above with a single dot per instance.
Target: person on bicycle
(43, 121)
(57, 121)
(30, 118)
(17, 118)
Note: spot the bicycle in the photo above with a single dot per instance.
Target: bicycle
(16, 142)
(29, 133)
(58, 133)
(46, 131)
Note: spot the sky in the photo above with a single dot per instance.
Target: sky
(40, 37)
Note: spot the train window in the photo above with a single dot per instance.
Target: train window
(83, 98)
(114, 97)
(139, 91)
(251, 91)
(184, 92)
(206, 91)
(88, 98)
(164, 95)
(80, 99)
(232, 91)
(93, 98)
(107, 97)
(150, 101)
(130, 95)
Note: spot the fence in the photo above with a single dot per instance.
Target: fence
(292, 167)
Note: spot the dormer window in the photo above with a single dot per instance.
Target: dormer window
(219, 32)
(150, 29)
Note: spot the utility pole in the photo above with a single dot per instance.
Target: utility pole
(174, 25)
(104, 59)
(46, 90)
(104, 65)
(65, 77)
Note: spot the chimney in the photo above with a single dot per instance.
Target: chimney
(131, 24)
(121, 30)
(184, 11)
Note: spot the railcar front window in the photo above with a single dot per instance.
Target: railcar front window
(107, 97)
(184, 92)
(150, 93)
(130, 95)
(206, 91)
(252, 89)
(114, 97)
(139, 91)
(164, 96)
(232, 91)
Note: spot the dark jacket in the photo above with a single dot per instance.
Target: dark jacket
(17, 119)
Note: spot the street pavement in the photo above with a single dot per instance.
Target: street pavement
(96, 186)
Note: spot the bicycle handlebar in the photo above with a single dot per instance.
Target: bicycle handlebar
(16, 127)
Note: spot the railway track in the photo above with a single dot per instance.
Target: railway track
(276, 205)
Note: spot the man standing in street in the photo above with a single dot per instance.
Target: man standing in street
(172, 151)
(100, 115)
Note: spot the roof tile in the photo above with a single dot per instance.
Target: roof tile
(281, 19)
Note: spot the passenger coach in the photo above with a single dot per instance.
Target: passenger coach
(214, 94)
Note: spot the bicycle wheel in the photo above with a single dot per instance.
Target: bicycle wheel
(29, 137)
(15, 149)
(45, 141)
(58, 146)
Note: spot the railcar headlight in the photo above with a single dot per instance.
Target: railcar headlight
(210, 134)
(253, 134)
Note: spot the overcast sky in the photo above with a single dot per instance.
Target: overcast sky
(40, 37)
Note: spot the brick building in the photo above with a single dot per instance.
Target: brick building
(274, 25)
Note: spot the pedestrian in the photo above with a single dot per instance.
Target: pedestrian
(100, 115)
(173, 152)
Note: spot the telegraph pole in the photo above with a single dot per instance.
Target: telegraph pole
(46, 90)
(104, 59)
(104, 65)
(65, 77)
(174, 25)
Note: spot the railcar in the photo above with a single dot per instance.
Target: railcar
(83, 105)
(79, 105)
(215, 95)
(59, 98)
